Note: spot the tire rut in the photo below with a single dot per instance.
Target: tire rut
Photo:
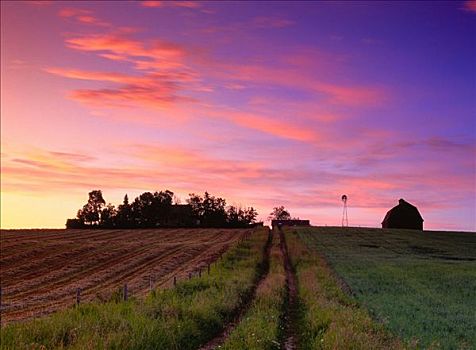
(225, 333)
(290, 315)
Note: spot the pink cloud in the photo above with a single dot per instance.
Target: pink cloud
(348, 95)
(272, 126)
(470, 6)
(161, 72)
(290, 77)
(151, 3)
(46, 171)
(156, 90)
(155, 55)
(82, 15)
(262, 183)
(185, 4)
(165, 76)
(109, 43)
(155, 97)
(40, 2)
(95, 76)
(271, 22)
(75, 157)
(239, 28)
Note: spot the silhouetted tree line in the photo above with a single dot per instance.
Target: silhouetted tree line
(158, 210)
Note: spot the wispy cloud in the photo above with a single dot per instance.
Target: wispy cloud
(277, 178)
(161, 4)
(83, 16)
(166, 74)
(238, 28)
(259, 105)
(152, 3)
(40, 2)
(155, 55)
(470, 6)
(46, 171)
(271, 22)
(160, 71)
(154, 90)
(285, 76)
(275, 127)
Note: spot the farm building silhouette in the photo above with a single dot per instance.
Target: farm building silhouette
(404, 215)
(293, 222)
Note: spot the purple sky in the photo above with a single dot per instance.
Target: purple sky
(263, 103)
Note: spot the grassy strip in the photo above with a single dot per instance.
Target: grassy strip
(180, 318)
(260, 327)
(421, 284)
(331, 319)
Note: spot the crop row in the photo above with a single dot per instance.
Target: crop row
(262, 325)
(329, 318)
(184, 317)
(42, 270)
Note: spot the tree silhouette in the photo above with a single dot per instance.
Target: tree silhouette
(196, 202)
(156, 210)
(250, 215)
(238, 217)
(74, 223)
(124, 216)
(279, 213)
(208, 211)
(108, 216)
(152, 209)
(214, 211)
(91, 212)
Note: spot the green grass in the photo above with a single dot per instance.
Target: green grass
(180, 318)
(421, 285)
(329, 318)
(260, 326)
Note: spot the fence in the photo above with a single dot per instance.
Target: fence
(79, 292)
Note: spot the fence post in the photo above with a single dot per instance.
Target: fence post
(175, 281)
(125, 292)
(78, 296)
(200, 272)
(189, 275)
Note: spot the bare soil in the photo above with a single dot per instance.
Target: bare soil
(41, 269)
(289, 341)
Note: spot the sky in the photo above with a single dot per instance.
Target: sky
(262, 103)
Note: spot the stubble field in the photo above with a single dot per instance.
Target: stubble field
(41, 269)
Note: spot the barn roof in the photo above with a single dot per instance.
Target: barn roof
(403, 205)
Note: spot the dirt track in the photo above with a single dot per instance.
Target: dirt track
(290, 316)
(41, 269)
(218, 340)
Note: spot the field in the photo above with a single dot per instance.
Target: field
(296, 288)
(185, 316)
(41, 269)
(420, 285)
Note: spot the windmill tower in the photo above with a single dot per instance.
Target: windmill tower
(345, 219)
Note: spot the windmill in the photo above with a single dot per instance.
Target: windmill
(345, 219)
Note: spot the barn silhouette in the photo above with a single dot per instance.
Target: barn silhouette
(404, 215)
